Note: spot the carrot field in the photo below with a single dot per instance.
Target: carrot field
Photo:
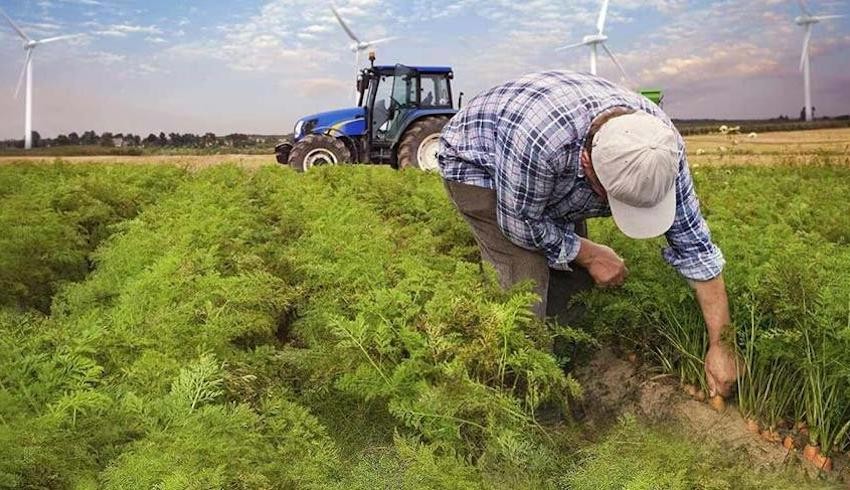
(250, 327)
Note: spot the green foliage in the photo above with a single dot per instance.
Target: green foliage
(54, 216)
(389, 317)
(194, 318)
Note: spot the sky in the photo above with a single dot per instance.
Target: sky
(256, 66)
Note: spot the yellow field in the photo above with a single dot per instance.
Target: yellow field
(795, 147)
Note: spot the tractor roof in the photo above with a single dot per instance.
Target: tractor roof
(420, 69)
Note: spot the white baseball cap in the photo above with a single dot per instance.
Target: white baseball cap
(636, 157)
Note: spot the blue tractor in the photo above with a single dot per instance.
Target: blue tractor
(398, 120)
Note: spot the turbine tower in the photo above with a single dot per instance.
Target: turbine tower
(357, 46)
(807, 20)
(594, 41)
(29, 45)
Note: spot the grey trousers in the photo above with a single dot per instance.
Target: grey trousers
(513, 263)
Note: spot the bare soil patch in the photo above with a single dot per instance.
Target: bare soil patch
(614, 387)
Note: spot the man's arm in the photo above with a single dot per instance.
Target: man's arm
(695, 256)
(720, 362)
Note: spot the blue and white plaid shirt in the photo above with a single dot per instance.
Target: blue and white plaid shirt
(524, 139)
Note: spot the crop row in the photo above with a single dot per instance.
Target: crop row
(186, 352)
(785, 233)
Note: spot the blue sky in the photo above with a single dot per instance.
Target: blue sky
(257, 65)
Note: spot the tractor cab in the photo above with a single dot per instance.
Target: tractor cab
(394, 97)
(400, 113)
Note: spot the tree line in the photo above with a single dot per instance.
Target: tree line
(161, 140)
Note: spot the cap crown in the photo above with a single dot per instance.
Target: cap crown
(636, 159)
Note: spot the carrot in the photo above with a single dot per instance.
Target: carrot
(752, 426)
(691, 390)
(788, 443)
(700, 396)
(717, 403)
(810, 453)
(770, 435)
(632, 357)
(823, 462)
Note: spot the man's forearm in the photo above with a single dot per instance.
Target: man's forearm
(714, 303)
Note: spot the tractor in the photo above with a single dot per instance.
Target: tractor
(400, 113)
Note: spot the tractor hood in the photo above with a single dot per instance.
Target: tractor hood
(349, 122)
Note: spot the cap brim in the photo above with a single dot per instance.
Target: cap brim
(644, 223)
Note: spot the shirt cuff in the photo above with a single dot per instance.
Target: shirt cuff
(703, 266)
(569, 250)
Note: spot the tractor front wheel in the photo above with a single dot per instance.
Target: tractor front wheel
(318, 149)
(420, 144)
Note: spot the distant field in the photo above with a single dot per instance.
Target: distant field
(693, 127)
(97, 150)
(790, 147)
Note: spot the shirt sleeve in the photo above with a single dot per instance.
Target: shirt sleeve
(690, 249)
(524, 182)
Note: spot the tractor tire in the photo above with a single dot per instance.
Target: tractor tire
(318, 149)
(420, 143)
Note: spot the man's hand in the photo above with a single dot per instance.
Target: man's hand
(603, 264)
(721, 370)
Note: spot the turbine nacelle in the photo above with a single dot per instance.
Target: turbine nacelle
(594, 39)
(805, 20)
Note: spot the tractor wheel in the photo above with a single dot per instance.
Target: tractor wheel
(420, 144)
(318, 149)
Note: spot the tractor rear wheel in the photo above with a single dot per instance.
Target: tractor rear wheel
(318, 149)
(420, 144)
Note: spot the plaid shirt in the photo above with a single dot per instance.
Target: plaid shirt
(524, 139)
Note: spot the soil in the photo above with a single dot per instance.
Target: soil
(614, 386)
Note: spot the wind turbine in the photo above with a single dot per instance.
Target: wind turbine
(808, 21)
(594, 41)
(357, 46)
(29, 46)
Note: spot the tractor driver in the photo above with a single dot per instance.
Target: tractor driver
(528, 161)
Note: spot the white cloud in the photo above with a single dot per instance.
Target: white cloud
(122, 30)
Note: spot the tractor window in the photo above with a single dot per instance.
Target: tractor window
(435, 91)
(381, 109)
(405, 84)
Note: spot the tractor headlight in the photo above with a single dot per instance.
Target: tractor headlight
(298, 127)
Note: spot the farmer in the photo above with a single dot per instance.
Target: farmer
(528, 161)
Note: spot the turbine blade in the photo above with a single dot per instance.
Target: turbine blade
(805, 56)
(571, 46)
(344, 25)
(58, 38)
(804, 7)
(15, 27)
(827, 17)
(379, 41)
(27, 62)
(600, 22)
(616, 62)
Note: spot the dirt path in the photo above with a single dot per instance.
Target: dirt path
(614, 386)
